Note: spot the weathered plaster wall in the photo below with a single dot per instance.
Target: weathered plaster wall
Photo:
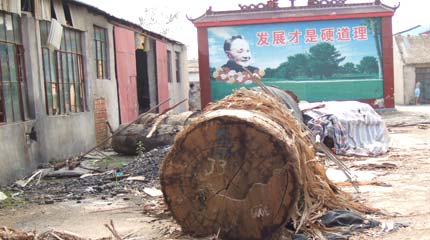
(17, 155)
(399, 95)
(409, 84)
(179, 90)
(105, 88)
(58, 137)
(152, 73)
(410, 52)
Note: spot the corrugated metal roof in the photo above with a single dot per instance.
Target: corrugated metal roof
(124, 22)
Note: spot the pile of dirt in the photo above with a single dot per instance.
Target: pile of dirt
(134, 177)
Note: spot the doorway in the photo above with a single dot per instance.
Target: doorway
(142, 81)
(423, 76)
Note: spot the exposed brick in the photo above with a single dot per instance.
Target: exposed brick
(100, 115)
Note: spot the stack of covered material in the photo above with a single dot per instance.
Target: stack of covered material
(353, 127)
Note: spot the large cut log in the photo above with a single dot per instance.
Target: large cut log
(151, 131)
(243, 169)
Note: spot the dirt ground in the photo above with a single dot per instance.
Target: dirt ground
(405, 195)
(401, 189)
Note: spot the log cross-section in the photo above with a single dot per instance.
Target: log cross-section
(233, 171)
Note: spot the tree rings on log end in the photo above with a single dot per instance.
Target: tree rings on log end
(232, 171)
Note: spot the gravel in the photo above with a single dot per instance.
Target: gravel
(108, 184)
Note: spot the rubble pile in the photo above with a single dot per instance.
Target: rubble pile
(137, 175)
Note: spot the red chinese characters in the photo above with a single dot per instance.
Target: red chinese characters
(263, 39)
(279, 38)
(343, 34)
(327, 34)
(294, 37)
(360, 33)
(311, 35)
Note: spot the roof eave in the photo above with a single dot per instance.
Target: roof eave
(135, 26)
(203, 21)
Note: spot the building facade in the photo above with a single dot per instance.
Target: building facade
(67, 69)
(412, 66)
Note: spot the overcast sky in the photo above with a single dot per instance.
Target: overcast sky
(410, 13)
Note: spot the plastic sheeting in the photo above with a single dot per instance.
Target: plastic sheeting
(354, 127)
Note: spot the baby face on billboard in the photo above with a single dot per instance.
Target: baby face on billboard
(239, 52)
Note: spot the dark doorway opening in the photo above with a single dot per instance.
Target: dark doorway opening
(423, 77)
(142, 80)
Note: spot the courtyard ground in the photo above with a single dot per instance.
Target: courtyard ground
(398, 183)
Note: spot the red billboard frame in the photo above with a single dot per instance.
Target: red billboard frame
(387, 49)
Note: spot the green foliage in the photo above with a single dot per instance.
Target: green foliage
(324, 60)
(270, 72)
(140, 148)
(298, 65)
(161, 22)
(368, 65)
(12, 201)
(348, 67)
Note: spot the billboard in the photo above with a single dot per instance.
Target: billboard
(317, 60)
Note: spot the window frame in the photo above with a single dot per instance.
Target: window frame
(169, 66)
(66, 73)
(27, 8)
(15, 44)
(104, 42)
(178, 66)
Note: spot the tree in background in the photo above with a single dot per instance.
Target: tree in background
(158, 21)
(298, 65)
(368, 65)
(348, 67)
(324, 60)
(374, 24)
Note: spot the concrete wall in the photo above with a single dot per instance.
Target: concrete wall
(159, 87)
(179, 90)
(105, 88)
(18, 156)
(399, 95)
(58, 137)
(152, 73)
(409, 84)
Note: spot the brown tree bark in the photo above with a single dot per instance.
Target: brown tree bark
(163, 130)
(244, 168)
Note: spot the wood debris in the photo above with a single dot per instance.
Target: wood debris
(11, 234)
(247, 166)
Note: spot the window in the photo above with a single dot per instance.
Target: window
(27, 5)
(178, 66)
(100, 39)
(63, 72)
(13, 83)
(67, 14)
(169, 66)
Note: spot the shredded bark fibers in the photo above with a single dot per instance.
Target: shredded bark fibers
(290, 167)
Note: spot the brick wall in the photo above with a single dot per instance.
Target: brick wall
(100, 115)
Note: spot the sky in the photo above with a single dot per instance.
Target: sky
(411, 13)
